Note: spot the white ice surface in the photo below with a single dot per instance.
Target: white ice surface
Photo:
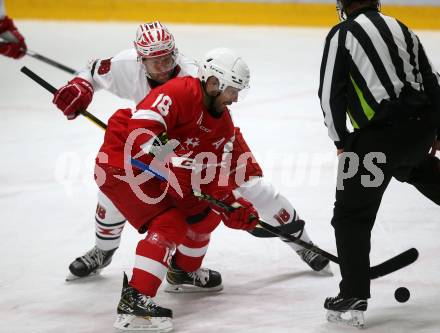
(47, 197)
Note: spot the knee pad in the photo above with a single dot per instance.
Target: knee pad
(160, 240)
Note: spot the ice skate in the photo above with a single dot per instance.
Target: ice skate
(139, 313)
(201, 280)
(90, 263)
(338, 306)
(316, 261)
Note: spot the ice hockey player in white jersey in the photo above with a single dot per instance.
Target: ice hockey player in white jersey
(132, 74)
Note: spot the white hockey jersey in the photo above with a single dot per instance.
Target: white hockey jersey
(125, 77)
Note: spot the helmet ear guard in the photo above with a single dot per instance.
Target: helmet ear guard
(227, 67)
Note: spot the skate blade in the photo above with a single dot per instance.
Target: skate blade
(70, 277)
(183, 288)
(356, 318)
(129, 323)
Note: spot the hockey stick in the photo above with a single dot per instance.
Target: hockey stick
(46, 85)
(7, 37)
(395, 263)
(391, 265)
(50, 62)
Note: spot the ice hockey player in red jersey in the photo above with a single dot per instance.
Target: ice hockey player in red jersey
(131, 74)
(12, 42)
(179, 128)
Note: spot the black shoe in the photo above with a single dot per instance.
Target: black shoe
(338, 305)
(316, 261)
(92, 262)
(137, 311)
(201, 280)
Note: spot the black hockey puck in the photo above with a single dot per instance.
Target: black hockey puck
(401, 294)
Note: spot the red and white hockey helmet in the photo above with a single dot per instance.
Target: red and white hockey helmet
(227, 67)
(153, 39)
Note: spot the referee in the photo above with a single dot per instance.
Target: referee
(374, 69)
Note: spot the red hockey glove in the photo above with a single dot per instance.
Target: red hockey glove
(244, 216)
(74, 97)
(15, 47)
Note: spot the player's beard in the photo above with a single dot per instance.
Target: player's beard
(216, 108)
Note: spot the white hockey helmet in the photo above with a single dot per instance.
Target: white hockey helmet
(153, 39)
(227, 67)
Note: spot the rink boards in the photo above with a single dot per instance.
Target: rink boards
(281, 13)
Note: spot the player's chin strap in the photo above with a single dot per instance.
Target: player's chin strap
(391, 265)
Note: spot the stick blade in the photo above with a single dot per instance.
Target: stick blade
(395, 263)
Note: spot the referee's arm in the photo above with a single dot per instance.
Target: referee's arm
(333, 87)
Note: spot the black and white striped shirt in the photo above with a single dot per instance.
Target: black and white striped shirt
(369, 58)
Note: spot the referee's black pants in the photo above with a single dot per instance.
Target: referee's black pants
(406, 146)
